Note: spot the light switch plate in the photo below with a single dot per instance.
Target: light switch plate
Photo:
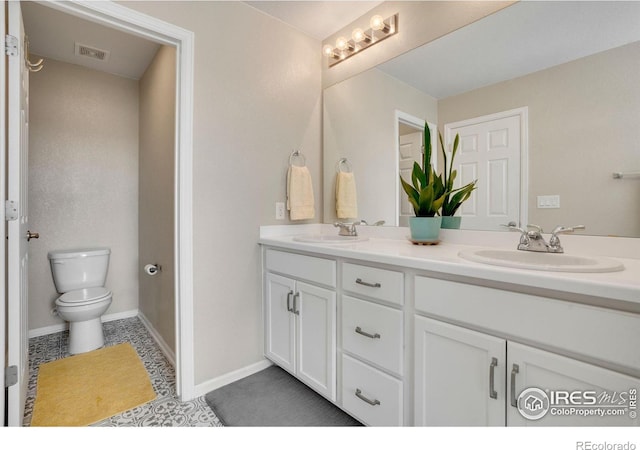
(279, 211)
(548, 201)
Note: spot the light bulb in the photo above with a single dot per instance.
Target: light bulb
(327, 50)
(342, 43)
(358, 35)
(377, 23)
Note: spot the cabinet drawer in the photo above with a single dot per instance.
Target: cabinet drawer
(317, 270)
(371, 386)
(377, 283)
(383, 346)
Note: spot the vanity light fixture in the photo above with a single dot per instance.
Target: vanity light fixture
(361, 39)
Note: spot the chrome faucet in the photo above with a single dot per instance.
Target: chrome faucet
(346, 229)
(533, 241)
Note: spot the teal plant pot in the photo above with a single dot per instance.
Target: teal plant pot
(425, 229)
(451, 222)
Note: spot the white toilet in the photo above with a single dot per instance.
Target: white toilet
(80, 275)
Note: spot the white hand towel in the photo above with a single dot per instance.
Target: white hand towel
(346, 199)
(300, 201)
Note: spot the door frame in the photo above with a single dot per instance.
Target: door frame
(523, 115)
(130, 21)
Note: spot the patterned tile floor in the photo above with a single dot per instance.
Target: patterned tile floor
(165, 411)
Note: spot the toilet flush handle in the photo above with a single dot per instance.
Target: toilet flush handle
(31, 235)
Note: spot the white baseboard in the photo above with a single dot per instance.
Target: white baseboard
(164, 348)
(36, 332)
(211, 385)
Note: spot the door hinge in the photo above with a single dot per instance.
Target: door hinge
(11, 47)
(10, 210)
(10, 375)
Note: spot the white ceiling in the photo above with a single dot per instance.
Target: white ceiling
(314, 18)
(53, 34)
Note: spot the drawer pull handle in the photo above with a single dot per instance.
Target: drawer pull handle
(364, 283)
(365, 399)
(492, 368)
(364, 333)
(514, 372)
(296, 311)
(289, 308)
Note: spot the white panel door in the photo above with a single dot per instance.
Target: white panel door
(459, 376)
(280, 322)
(533, 368)
(315, 309)
(17, 243)
(490, 152)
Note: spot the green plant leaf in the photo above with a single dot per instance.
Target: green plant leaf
(418, 177)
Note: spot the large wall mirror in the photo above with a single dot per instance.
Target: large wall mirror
(564, 74)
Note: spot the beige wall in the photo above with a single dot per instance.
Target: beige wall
(582, 128)
(83, 178)
(359, 124)
(257, 96)
(156, 192)
(419, 22)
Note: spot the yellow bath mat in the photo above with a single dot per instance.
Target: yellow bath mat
(89, 387)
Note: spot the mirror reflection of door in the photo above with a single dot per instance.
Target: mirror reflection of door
(493, 151)
(410, 148)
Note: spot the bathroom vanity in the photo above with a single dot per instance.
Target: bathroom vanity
(402, 335)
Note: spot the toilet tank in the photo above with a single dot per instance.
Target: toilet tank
(79, 268)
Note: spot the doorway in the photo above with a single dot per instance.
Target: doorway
(129, 21)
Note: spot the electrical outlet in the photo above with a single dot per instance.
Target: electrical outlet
(548, 201)
(279, 211)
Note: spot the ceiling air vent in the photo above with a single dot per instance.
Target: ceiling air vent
(91, 52)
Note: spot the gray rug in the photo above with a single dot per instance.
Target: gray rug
(274, 398)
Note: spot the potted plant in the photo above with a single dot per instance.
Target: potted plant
(426, 193)
(453, 198)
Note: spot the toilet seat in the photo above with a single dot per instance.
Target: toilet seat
(81, 297)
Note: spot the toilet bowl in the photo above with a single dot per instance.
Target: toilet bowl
(83, 309)
(80, 275)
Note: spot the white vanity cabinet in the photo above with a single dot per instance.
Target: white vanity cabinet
(372, 344)
(459, 376)
(300, 318)
(465, 377)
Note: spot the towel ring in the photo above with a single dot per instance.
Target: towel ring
(343, 162)
(297, 154)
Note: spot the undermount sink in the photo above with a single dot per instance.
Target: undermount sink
(553, 262)
(329, 239)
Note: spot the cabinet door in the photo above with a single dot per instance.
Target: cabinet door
(280, 322)
(316, 313)
(591, 388)
(459, 376)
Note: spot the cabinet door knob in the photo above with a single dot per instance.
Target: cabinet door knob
(514, 372)
(365, 399)
(492, 368)
(364, 333)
